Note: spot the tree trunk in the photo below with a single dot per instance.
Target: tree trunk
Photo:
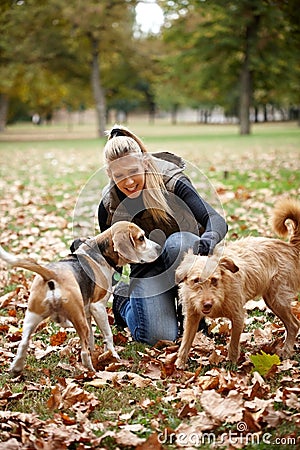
(174, 112)
(246, 75)
(3, 111)
(266, 118)
(98, 91)
(151, 106)
(256, 112)
(245, 95)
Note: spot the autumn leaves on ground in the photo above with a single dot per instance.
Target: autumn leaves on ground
(141, 401)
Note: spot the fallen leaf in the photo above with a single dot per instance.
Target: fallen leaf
(152, 443)
(40, 353)
(263, 362)
(229, 409)
(58, 338)
(127, 438)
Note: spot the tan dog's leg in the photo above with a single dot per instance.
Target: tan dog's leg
(190, 327)
(280, 304)
(98, 311)
(237, 325)
(31, 321)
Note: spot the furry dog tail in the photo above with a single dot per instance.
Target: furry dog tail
(287, 209)
(27, 263)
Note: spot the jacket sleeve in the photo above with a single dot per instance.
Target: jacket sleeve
(102, 217)
(215, 227)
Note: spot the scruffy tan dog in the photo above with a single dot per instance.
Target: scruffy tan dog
(221, 284)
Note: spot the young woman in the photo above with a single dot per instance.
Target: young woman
(152, 191)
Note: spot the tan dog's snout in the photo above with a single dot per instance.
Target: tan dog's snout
(207, 306)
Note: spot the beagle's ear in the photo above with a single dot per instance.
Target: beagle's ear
(124, 245)
(228, 263)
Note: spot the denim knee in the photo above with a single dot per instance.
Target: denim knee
(176, 245)
(152, 319)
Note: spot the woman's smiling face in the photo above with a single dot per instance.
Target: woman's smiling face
(128, 173)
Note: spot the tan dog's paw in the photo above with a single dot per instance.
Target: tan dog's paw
(233, 356)
(286, 352)
(180, 364)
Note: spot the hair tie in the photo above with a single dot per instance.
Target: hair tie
(116, 132)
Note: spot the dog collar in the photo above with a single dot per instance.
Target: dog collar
(107, 258)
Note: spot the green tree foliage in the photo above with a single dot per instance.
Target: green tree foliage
(237, 54)
(136, 68)
(38, 58)
(60, 48)
(102, 29)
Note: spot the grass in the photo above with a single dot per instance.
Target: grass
(42, 179)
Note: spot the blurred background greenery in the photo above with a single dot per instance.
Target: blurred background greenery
(209, 61)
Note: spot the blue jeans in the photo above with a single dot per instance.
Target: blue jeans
(150, 312)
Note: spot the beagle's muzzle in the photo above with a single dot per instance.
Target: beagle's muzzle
(77, 287)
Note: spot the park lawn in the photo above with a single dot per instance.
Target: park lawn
(41, 182)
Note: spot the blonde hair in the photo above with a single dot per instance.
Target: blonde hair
(122, 142)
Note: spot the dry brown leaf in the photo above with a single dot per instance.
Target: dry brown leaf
(7, 298)
(70, 396)
(216, 358)
(127, 438)
(58, 338)
(228, 409)
(5, 393)
(189, 395)
(73, 394)
(10, 444)
(187, 411)
(138, 380)
(207, 382)
(272, 417)
(153, 370)
(251, 422)
(258, 405)
(134, 427)
(40, 353)
(152, 443)
(168, 365)
(197, 424)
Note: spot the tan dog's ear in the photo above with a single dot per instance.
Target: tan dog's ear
(181, 273)
(228, 263)
(184, 267)
(124, 245)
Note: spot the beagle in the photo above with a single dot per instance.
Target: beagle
(77, 287)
